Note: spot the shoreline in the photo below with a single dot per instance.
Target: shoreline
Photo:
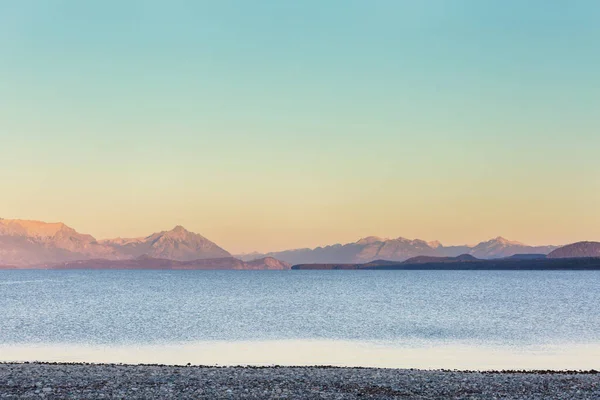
(147, 381)
(316, 366)
(427, 355)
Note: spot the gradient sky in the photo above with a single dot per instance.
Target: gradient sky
(272, 124)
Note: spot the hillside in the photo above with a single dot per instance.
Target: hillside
(579, 249)
(150, 263)
(268, 263)
(176, 244)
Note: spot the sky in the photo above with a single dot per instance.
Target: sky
(268, 124)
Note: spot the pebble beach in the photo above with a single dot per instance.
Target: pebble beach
(117, 381)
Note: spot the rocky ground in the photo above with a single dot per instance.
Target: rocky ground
(85, 381)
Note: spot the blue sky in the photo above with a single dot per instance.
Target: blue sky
(274, 124)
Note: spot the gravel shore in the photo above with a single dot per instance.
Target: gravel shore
(93, 381)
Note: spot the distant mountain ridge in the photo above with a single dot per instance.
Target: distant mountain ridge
(373, 248)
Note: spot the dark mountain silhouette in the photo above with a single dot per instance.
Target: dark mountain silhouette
(436, 263)
(526, 256)
(429, 259)
(579, 249)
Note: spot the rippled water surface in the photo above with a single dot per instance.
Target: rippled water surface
(515, 310)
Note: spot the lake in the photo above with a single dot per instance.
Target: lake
(421, 319)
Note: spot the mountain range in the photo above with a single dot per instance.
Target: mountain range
(26, 243)
(374, 248)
